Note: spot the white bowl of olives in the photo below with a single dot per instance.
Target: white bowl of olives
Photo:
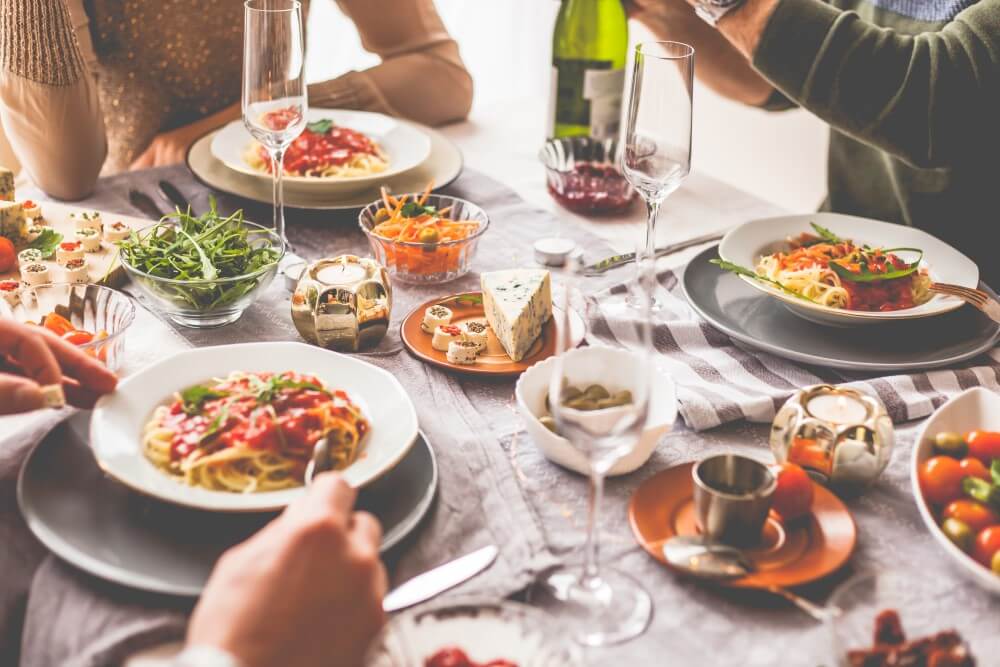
(600, 364)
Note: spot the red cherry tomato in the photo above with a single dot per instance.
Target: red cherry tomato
(987, 543)
(77, 337)
(975, 514)
(974, 468)
(7, 255)
(58, 324)
(941, 479)
(984, 445)
(793, 495)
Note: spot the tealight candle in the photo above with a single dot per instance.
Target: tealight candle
(341, 273)
(837, 408)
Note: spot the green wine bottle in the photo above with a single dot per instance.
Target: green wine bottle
(589, 47)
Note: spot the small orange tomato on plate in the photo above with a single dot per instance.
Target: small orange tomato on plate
(984, 445)
(793, 496)
(974, 468)
(7, 255)
(941, 479)
(973, 513)
(987, 544)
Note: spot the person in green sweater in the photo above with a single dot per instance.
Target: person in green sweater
(909, 88)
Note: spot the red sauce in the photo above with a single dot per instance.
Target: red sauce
(456, 657)
(279, 119)
(592, 188)
(881, 295)
(311, 152)
(70, 245)
(8, 285)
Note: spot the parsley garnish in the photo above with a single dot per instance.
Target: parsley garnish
(320, 126)
(413, 209)
(194, 397)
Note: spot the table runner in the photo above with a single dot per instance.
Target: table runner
(719, 381)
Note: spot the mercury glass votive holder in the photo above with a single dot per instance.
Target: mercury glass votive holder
(842, 437)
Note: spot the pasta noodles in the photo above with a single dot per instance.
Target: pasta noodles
(252, 432)
(325, 150)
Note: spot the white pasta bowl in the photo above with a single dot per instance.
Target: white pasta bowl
(973, 409)
(593, 364)
(405, 146)
(118, 419)
(746, 244)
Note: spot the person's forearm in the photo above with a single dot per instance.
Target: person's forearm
(48, 101)
(929, 99)
(718, 64)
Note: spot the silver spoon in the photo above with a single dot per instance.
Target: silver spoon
(719, 562)
(320, 461)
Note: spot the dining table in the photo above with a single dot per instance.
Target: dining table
(496, 486)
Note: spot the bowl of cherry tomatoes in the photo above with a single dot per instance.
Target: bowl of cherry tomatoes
(92, 317)
(956, 481)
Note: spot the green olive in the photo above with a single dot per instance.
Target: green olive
(428, 235)
(950, 444)
(958, 532)
(569, 393)
(995, 563)
(381, 216)
(624, 396)
(582, 403)
(596, 392)
(548, 422)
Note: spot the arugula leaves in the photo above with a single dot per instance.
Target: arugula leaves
(194, 397)
(743, 271)
(866, 275)
(267, 390)
(825, 234)
(413, 209)
(320, 126)
(47, 242)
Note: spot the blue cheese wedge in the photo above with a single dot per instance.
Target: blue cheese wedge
(517, 304)
(6, 184)
(13, 223)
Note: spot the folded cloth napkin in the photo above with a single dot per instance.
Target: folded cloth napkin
(718, 381)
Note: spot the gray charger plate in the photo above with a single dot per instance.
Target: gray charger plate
(101, 527)
(758, 320)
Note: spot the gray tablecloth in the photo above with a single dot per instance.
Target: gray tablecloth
(497, 487)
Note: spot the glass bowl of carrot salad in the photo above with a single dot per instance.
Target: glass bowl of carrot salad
(423, 238)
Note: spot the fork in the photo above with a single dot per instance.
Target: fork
(974, 297)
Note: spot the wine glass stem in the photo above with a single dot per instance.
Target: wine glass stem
(652, 210)
(591, 550)
(278, 161)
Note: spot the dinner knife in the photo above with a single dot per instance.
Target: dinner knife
(434, 582)
(616, 261)
(174, 196)
(144, 203)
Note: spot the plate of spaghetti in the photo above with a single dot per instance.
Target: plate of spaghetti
(232, 428)
(338, 150)
(844, 271)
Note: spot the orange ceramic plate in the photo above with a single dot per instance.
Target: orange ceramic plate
(805, 550)
(468, 307)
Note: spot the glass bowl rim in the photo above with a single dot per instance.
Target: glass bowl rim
(116, 294)
(484, 224)
(210, 281)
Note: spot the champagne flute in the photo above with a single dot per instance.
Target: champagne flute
(656, 153)
(274, 90)
(601, 605)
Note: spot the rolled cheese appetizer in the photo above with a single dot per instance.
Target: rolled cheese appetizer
(35, 274)
(69, 250)
(87, 221)
(34, 231)
(29, 256)
(32, 211)
(445, 335)
(75, 271)
(477, 332)
(434, 317)
(117, 231)
(462, 352)
(90, 239)
(10, 290)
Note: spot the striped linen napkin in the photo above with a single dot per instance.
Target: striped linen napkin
(719, 381)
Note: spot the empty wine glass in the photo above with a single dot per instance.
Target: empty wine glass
(274, 90)
(599, 398)
(656, 153)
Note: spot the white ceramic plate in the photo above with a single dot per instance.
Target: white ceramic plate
(404, 144)
(594, 364)
(975, 408)
(746, 244)
(118, 419)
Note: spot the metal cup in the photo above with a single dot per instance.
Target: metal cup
(732, 497)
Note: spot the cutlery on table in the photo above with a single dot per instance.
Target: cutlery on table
(432, 583)
(718, 562)
(144, 203)
(616, 261)
(974, 297)
(174, 196)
